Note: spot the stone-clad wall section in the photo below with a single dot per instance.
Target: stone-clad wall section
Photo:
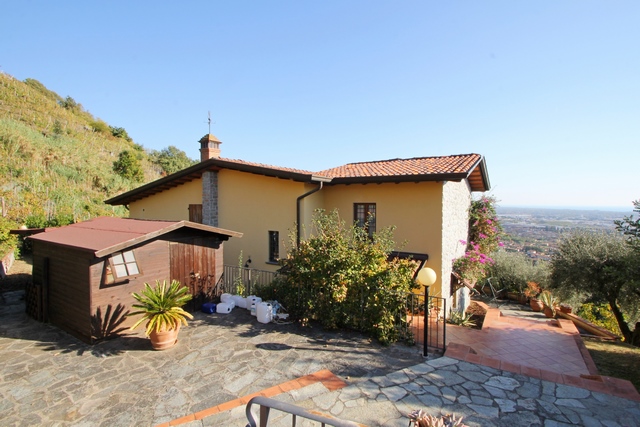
(456, 199)
(210, 198)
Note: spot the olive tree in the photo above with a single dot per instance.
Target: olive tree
(598, 267)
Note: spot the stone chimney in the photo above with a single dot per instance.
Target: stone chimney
(209, 147)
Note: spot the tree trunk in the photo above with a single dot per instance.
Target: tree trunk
(624, 328)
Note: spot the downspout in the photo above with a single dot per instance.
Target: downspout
(298, 214)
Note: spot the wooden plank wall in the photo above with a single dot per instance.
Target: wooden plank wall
(202, 257)
(153, 261)
(66, 297)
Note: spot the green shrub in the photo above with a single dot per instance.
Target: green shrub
(7, 241)
(99, 126)
(513, 270)
(120, 133)
(601, 315)
(343, 279)
(128, 166)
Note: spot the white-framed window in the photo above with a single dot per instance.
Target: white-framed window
(122, 265)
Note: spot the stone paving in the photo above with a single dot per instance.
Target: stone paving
(483, 396)
(49, 378)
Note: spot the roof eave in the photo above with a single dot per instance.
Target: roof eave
(399, 178)
(196, 171)
(225, 234)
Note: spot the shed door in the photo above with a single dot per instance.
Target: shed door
(193, 264)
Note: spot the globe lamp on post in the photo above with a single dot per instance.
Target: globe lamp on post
(426, 277)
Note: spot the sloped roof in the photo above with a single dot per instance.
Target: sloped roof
(105, 235)
(443, 168)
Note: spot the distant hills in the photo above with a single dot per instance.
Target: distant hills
(58, 159)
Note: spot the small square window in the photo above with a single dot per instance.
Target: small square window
(121, 265)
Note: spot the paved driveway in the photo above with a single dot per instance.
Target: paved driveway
(51, 378)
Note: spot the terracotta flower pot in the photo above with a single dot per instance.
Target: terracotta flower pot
(536, 304)
(548, 311)
(164, 339)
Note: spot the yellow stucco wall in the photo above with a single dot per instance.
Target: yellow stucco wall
(254, 205)
(415, 209)
(170, 205)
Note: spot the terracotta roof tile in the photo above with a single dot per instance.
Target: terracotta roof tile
(418, 166)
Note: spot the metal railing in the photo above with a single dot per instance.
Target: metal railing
(266, 404)
(425, 322)
(249, 278)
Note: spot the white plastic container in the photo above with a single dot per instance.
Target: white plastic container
(264, 312)
(252, 299)
(241, 302)
(253, 309)
(225, 297)
(224, 308)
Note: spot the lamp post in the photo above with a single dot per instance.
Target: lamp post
(426, 277)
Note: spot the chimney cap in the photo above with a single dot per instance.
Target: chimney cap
(210, 138)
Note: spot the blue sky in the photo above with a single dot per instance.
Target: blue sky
(547, 91)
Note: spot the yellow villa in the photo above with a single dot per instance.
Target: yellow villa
(425, 198)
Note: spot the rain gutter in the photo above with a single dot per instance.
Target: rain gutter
(321, 181)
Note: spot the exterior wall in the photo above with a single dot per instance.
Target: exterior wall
(65, 289)
(254, 204)
(415, 209)
(153, 261)
(456, 199)
(172, 204)
(210, 198)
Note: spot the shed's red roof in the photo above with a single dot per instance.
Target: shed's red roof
(105, 235)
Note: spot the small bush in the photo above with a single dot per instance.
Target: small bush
(99, 126)
(120, 133)
(343, 279)
(128, 166)
(601, 315)
(513, 270)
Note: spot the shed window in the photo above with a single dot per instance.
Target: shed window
(123, 264)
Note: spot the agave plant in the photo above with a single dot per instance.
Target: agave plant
(549, 300)
(161, 306)
(422, 419)
(460, 318)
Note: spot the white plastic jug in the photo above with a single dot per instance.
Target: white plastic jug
(264, 312)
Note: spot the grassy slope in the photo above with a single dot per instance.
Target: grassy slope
(53, 162)
(616, 359)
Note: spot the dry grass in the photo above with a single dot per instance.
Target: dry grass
(615, 359)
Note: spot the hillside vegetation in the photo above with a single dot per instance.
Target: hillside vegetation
(59, 162)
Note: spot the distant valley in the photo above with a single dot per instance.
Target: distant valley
(536, 231)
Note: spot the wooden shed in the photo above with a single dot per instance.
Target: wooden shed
(84, 274)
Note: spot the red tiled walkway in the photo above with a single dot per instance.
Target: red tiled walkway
(550, 345)
(550, 350)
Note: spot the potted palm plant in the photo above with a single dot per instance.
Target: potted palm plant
(161, 308)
